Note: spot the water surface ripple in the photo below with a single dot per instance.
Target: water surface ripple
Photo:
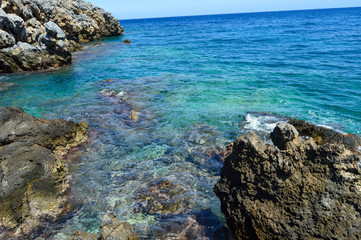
(189, 82)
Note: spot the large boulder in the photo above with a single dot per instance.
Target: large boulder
(56, 26)
(297, 188)
(33, 170)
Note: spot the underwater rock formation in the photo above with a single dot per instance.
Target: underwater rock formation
(302, 187)
(111, 229)
(33, 171)
(162, 197)
(40, 34)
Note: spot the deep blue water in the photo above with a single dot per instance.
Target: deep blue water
(195, 83)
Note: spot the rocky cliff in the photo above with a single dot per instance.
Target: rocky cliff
(39, 34)
(306, 185)
(34, 179)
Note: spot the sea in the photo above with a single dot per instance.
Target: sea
(162, 108)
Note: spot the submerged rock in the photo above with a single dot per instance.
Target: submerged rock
(323, 135)
(33, 170)
(298, 188)
(111, 229)
(51, 29)
(127, 41)
(200, 225)
(6, 86)
(162, 197)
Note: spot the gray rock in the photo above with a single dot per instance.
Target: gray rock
(32, 31)
(6, 40)
(12, 24)
(72, 22)
(283, 134)
(54, 30)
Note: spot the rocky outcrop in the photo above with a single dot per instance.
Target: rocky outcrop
(33, 172)
(39, 34)
(304, 186)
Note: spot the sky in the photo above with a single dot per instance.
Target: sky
(132, 9)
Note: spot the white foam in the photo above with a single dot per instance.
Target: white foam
(122, 95)
(261, 123)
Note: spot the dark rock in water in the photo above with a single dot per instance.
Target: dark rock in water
(162, 197)
(202, 225)
(6, 86)
(127, 41)
(40, 34)
(82, 235)
(323, 135)
(33, 170)
(305, 188)
(283, 134)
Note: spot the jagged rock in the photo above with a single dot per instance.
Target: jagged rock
(33, 30)
(6, 40)
(127, 41)
(54, 30)
(283, 134)
(303, 190)
(12, 24)
(56, 26)
(32, 57)
(33, 173)
(323, 135)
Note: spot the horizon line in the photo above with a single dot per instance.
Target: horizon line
(216, 14)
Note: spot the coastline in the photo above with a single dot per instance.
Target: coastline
(159, 126)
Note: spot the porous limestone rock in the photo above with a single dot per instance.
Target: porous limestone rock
(301, 189)
(33, 172)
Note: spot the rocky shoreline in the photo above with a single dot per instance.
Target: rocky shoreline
(306, 185)
(41, 34)
(34, 176)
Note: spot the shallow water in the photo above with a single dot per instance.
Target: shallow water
(195, 83)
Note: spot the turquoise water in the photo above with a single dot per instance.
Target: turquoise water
(195, 83)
